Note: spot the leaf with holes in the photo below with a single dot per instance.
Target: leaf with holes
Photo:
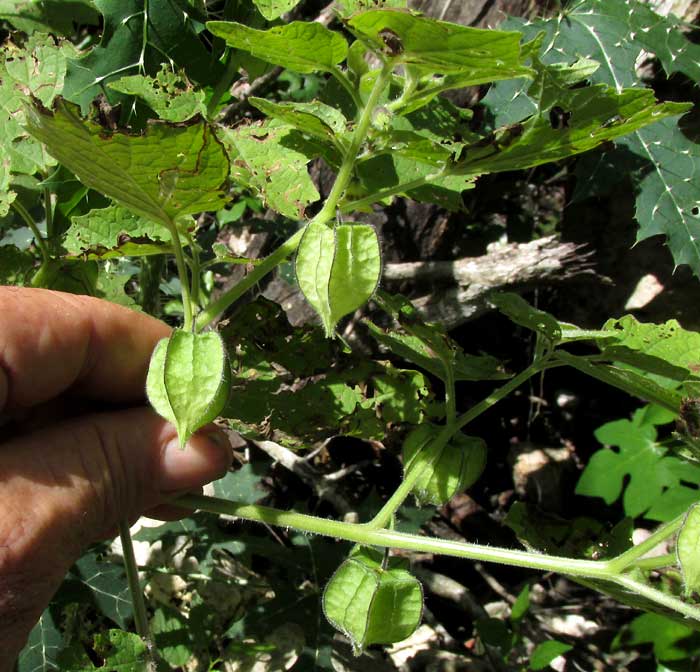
(162, 175)
(302, 47)
(338, 269)
(169, 94)
(372, 603)
(137, 37)
(118, 651)
(189, 380)
(272, 159)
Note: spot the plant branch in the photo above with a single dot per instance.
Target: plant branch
(366, 201)
(656, 562)
(267, 265)
(183, 275)
(29, 221)
(132, 577)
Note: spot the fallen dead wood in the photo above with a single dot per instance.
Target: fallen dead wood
(462, 286)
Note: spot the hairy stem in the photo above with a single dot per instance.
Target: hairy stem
(213, 310)
(401, 493)
(29, 221)
(132, 577)
(632, 555)
(183, 275)
(656, 562)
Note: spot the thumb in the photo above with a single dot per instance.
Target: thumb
(65, 487)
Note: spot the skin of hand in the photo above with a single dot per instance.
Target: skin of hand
(79, 448)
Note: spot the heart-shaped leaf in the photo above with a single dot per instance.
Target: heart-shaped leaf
(457, 466)
(338, 269)
(189, 379)
(372, 603)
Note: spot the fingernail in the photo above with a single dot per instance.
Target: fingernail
(205, 458)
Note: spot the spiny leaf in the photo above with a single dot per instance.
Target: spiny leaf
(338, 269)
(456, 466)
(688, 550)
(477, 55)
(371, 604)
(136, 39)
(189, 380)
(272, 158)
(170, 95)
(111, 232)
(168, 172)
(273, 9)
(299, 46)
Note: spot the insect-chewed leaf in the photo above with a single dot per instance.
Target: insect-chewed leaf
(372, 604)
(338, 269)
(688, 550)
(455, 467)
(189, 379)
(299, 46)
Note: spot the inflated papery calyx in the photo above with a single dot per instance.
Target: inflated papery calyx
(338, 269)
(688, 550)
(373, 602)
(444, 470)
(189, 380)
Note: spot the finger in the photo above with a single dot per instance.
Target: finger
(69, 486)
(51, 342)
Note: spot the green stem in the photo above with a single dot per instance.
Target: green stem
(195, 268)
(224, 84)
(603, 374)
(632, 555)
(184, 278)
(404, 490)
(149, 283)
(658, 596)
(345, 173)
(132, 577)
(29, 221)
(213, 310)
(350, 206)
(361, 534)
(48, 209)
(450, 394)
(656, 562)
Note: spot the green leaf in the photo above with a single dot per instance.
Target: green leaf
(667, 352)
(164, 174)
(137, 38)
(170, 95)
(614, 32)
(338, 269)
(688, 550)
(656, 481)
(594, 115)
(371, 604)
(113, 232)
(477, 55)
(15, 265)
(521, 312)
(271, 158)
(173, 639)
(273, 9)
(521, 604)
(349, 7)
(67, 275)
(61, 16)
(38, 69)
(315, 119)
(302, 47)
(546, 652)
(121, 652)
(243, 485)
(671, 640)
(42, 647)
(189, 380)
(445, 470)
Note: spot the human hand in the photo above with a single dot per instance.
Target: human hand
(83, 452)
